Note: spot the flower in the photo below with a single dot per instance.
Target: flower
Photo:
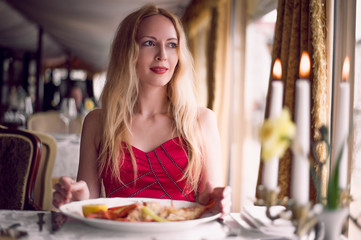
(89, 104)
(333, 191)
(276, 135)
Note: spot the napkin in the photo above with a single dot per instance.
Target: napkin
(253, 219)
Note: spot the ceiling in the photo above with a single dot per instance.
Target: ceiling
(83, 29)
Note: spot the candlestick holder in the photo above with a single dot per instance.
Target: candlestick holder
(268, 198)
(345, 198)
(303, 217)
(306, 217)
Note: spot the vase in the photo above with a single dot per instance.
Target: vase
(333, 221)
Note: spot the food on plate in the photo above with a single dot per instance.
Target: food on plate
(92, 208)
(150, 212)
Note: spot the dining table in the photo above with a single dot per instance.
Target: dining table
(40, 225)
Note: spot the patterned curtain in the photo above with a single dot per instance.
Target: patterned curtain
(301, 26)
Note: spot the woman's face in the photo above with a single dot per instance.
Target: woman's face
(158, 57)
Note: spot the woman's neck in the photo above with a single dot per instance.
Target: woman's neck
(153, 101)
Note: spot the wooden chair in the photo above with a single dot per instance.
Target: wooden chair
(51, 122)
(43, 192)
(20, 154)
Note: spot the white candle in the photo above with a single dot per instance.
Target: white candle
(270, 168)
(342, 126)
(300, 165)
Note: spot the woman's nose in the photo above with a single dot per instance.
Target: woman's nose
(161, 55)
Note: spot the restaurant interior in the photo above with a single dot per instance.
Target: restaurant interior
(53, 60)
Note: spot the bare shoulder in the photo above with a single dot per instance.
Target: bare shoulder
(93, 117)
(92, 126)
(207, 117)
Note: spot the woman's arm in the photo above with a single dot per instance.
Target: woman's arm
(214, 189)
(87, 184)
(88, 163)
(212, 147)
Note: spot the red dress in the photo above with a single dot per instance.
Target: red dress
(159, 174)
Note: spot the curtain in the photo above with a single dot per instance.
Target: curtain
(207, 25)
(301, 26)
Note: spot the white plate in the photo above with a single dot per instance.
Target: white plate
(74, 210)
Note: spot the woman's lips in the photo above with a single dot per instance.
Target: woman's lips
(159, 70)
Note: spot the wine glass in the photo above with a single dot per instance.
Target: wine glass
(68, 111)
(28, 106)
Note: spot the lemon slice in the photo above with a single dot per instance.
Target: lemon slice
(91, 208)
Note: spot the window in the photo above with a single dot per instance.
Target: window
(259, 39)
(355, 207)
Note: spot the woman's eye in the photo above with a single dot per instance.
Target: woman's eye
(172, 45)
(148, 43)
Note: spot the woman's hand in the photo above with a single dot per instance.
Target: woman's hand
(221, 196)
(67, 190)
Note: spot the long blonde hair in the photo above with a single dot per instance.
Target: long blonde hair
(120, 95)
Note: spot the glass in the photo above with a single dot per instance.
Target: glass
(68, 112)
(28, 106)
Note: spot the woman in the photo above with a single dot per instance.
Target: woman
(149, 139)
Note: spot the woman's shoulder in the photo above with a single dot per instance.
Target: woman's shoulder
(206, 116)
(93, 119)
(92, 127)
(94, 115)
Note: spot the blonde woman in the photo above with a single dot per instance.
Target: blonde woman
(149, 139)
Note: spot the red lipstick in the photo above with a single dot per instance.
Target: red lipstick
(159, 70)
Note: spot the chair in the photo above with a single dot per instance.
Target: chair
(51, 122)
(20, 154)
(43, 185)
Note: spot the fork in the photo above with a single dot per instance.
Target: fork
(251, 220)
(227, 229)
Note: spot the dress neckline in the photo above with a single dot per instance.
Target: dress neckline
(170, 141)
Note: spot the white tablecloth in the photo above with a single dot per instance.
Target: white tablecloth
(75, 229)
(67, 157)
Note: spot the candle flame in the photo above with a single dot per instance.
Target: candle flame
(277, 69)
(305, 65)
(346, 68)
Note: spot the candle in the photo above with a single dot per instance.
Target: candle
(342, 124)
(300, 164)
(270, 168)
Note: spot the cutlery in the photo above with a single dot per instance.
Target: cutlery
(41, 221)
(15, 225)
(57, 221)
(248, 221)
(11, 232)
(227, 229)
(287, 231)
(255, 221)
